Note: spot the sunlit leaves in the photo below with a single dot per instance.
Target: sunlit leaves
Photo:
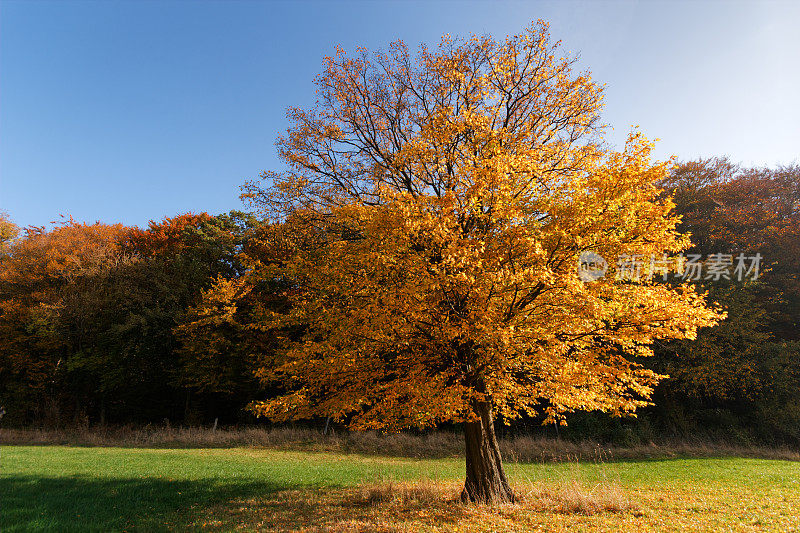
(443, 202)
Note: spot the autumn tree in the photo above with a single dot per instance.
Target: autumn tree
(51, 287)
(8, 230)
(88, 314)
(220, 343)
(175, 260)
(434, 212)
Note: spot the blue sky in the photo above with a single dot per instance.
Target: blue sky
(131, 111)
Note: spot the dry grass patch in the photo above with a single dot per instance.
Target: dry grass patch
(425, 505)
(423, 492)
(438, 444)
(575, 497)
(567, 497)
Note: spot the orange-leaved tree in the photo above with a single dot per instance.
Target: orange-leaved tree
(8, 230)
(431, 218)
(51, 292)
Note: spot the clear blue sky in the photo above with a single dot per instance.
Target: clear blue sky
(130, 111)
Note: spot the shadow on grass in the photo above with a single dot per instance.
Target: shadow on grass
(81, 504)
(349, 509)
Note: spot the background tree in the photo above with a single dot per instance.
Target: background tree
(222, 345)
(88, 315)
(740, 379)
(434, 211)
(177, 258)
(50, 286)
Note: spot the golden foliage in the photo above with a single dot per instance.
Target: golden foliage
(433, 213)
(8, 230)
(44, 276)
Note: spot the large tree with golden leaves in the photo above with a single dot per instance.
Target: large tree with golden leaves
(429, 224)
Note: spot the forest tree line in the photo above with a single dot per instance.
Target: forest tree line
(109, 324)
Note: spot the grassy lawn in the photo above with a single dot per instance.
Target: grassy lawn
(57, 488)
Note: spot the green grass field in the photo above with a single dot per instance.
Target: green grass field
(56, 488)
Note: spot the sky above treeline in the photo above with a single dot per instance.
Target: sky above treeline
(131, 111)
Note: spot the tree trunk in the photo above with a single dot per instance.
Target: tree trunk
(486, 481)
